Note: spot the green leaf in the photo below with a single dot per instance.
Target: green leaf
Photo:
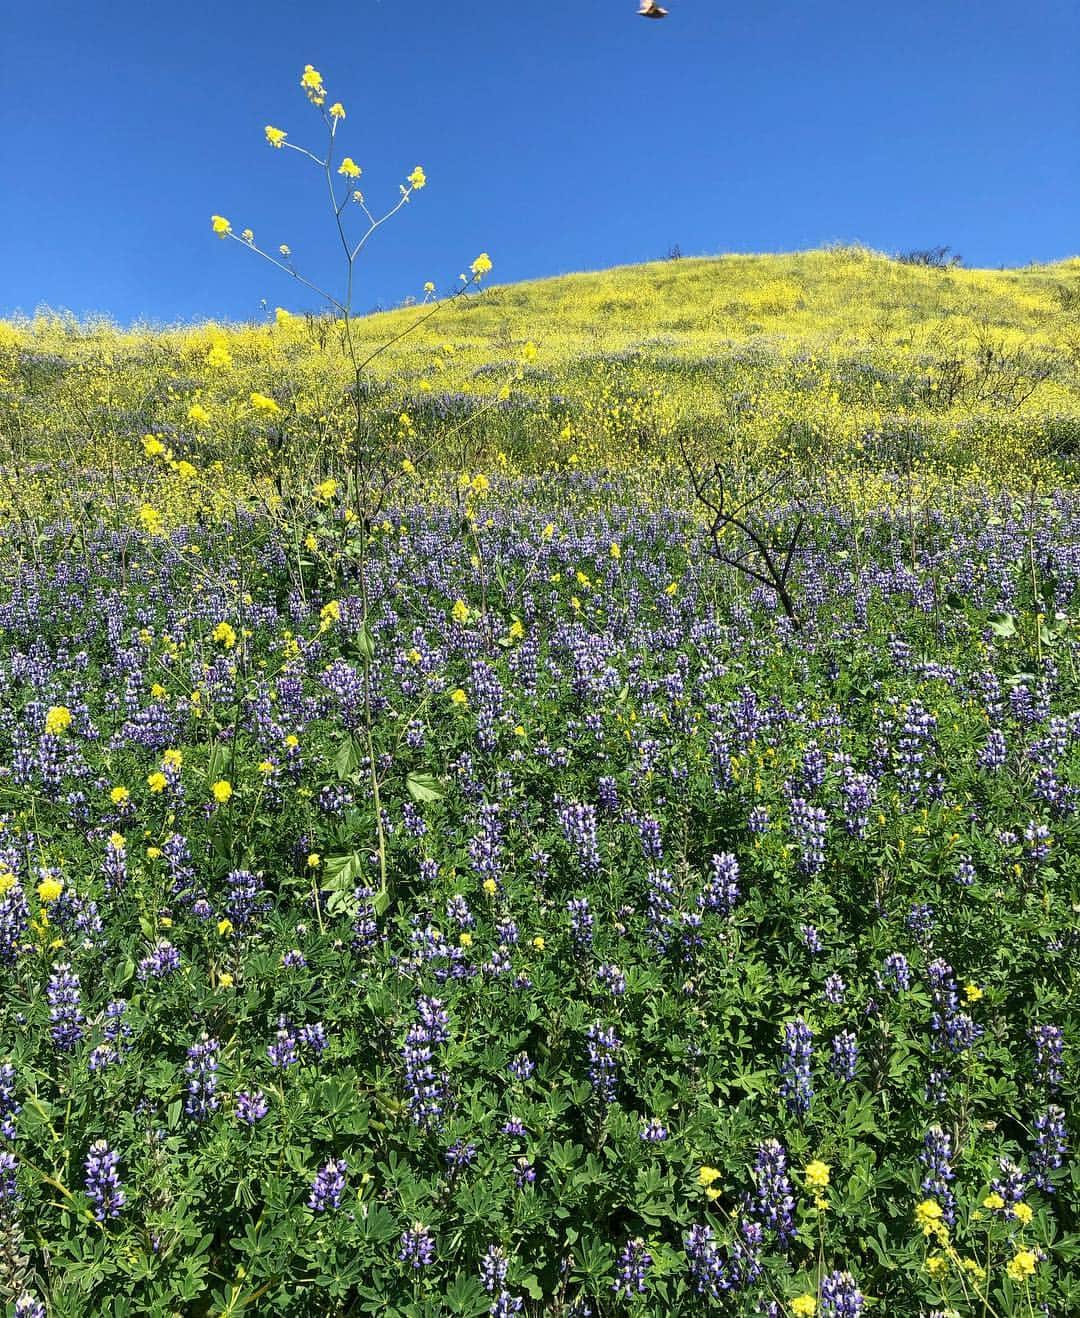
(365, 643)
(1003, 624)
(424, 787)
(348, 759)
(341, 872)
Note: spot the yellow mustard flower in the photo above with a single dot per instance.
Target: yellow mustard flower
(225, 635)
(817, 1175)
(49, 889)
(1022, 1265)
(417, 179)
(459, 697)
(222, 791)
(350, 168)
(804, 1306)
(57, 720)
(265, 406)
(119, 795)
(312, 83)
(275, 136)
(157, 782)
(336, 111)
(482, 265)
(151, 520)
(220, 225)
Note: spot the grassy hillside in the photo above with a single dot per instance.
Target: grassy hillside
(835, 360)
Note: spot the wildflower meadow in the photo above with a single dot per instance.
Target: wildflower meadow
(553, 799)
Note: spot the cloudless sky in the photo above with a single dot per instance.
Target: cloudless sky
(557, 135)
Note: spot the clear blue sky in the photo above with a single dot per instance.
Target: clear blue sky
(557, 135)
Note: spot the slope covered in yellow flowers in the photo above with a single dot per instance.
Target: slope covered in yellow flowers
(833, 360)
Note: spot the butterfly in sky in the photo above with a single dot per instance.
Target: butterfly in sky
(650, 9)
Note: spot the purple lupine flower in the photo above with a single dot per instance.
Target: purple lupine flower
(579, 826)
(457, 910)
(328, 1186)
(14, 922)
(201, 1071)
(493, 1269)
(313, 1036)
(651, 842)
(808, 828)
(895, 968)
(653, 1131)
(834, 989)
(965, 872)
(858, 791)
(65, 1010)
(247, 897)
(29, 1306)
(163, 961)
(251, 1106)
(9, 1186)
(522, 1067)
(994, 752)
(633, 1267)
(1037, 841)
(603, 1044)
(526, 1173)
(744, 1264)
(607, 794)
(413, 820)
(811, 938)
(283, 1051)
(920, 922)
(581, 922)
(936, 1158)
(485, 849)
(914, 745)
(417, 1246)
(659, 905)
(1049, 1044)
(1050, 1146)
(612, 979)
(1011, 1185)
(840, 1296)
(757, 821)
(9, 1105)
(426, 1089)
(721, 892)
(115, 1033)
(774, 1204)
(103, 1187)
(114, 867)
(704, 1262)
(293, 959)
(365, 930)
(459, 1156)
(845, 1055)
(796, 1085)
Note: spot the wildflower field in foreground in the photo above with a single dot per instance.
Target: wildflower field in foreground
(503, 905)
